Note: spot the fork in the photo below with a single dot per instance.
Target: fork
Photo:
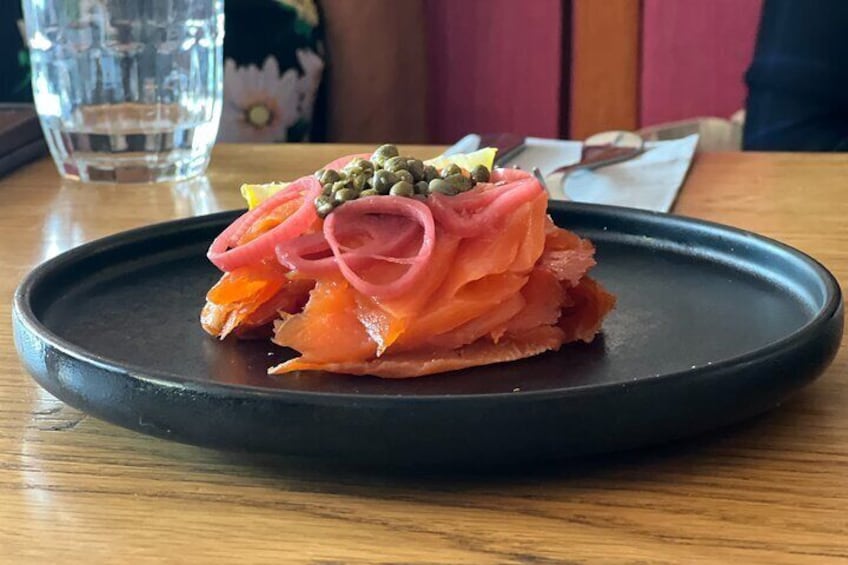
(595, 157)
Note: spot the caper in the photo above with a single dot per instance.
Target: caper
(450, 170)
(430, 173)
(358, 182)
(442, 187)
(402, 188)
(420, 197)
(357, 163)
(329, 176)
(383, 154)
(327, 189)
(461, 182)
(345, 195)
(368, 192)
(396, 164)
(403, 175)
(366, 166)
(323, 205)
(383, 180)
(421, 187)
(416, 167)
(480, 173)
(340, 185)
(318, 173)
(353, 171)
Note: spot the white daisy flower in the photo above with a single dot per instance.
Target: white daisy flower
(259, 104)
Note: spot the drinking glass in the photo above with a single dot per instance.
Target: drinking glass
(127, 90)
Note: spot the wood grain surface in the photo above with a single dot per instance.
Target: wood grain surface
(77, 490)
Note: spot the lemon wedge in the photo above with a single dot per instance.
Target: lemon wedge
(467, 161)
(256, 194)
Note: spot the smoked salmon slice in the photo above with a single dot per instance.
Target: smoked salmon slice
(396, 287)
(428, 362)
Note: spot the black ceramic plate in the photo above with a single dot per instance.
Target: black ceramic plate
(713, 325)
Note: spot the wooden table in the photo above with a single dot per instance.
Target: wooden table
(74, 489)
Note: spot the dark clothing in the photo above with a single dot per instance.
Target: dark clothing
(798, 80)
(14, 58)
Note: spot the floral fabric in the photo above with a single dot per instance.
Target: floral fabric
(273, 69)
(274, 64)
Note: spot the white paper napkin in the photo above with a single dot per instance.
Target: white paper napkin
(650, 181)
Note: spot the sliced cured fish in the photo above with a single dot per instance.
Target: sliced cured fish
(462, 269)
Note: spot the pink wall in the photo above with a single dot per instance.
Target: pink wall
(495, 66)
(694, 55)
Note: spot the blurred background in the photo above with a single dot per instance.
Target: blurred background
(431, 71)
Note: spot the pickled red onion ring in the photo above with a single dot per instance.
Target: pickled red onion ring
(295, 253)
(227, 255)
(471, 213)
(387, 205)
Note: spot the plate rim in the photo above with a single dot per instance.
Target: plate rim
(22, 313)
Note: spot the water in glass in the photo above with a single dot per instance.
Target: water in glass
(127, 90)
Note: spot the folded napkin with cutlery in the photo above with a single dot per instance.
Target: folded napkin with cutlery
(649, 181)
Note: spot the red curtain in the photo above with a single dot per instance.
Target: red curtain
(496, 66)
(434, 70)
